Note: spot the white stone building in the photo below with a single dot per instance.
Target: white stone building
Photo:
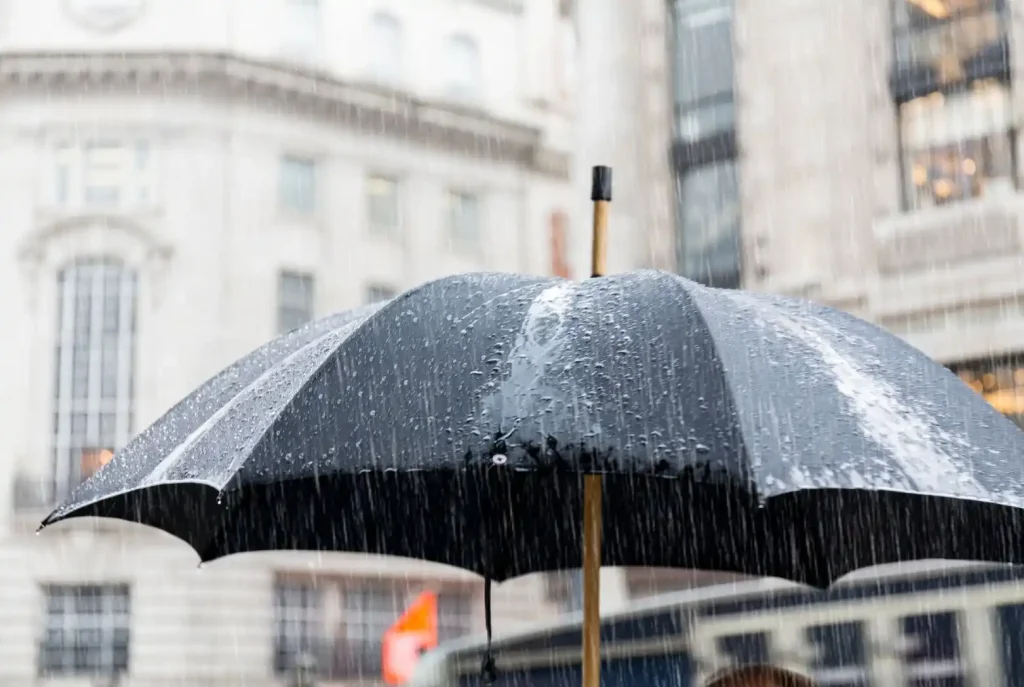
(180, 180)
(863, 153)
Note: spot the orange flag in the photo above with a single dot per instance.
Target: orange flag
(411, 635)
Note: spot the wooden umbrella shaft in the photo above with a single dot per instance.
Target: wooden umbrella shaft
(601, 194)
(592, 580)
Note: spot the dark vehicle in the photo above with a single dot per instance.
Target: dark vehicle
(938, 626)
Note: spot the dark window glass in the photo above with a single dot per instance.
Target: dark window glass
(703, 68)
(709, 222)
(746, 649)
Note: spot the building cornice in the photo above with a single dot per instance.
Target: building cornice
(363, 108)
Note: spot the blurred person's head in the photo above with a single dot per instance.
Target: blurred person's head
(758, 676)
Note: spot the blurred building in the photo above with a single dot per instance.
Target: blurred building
(180, 180)
(863, 154)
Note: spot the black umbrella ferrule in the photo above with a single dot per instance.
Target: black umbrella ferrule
(601, 184)
(488, 669)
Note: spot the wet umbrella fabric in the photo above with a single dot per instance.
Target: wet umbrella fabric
(737, 432)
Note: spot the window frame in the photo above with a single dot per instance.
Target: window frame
(286, 307)
(908, 202)
(725, 98)
(459, 243)
(377, 292)
(293, 161)
(910, 79)
(733, 278)
(375, 228)
(715, 146)
(71, 172)
(113, 619)
(310, 620)
(98, 402)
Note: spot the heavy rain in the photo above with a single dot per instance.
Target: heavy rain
(494, 343)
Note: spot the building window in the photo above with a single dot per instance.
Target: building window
(943, 43)
(703, 68)
(708, 240)
(294, 300)
(368, 610)
(95, 360)
(465, 78)
(299, 629)
(454, 615)
(301, 29)
(376, 293)
(86, 631)
(382, 206)
(709, 224)
(336, 627)
(932, 653)
(1001, 383)
(957, 146)
(387, 48)
(103, 174)
(297, 185)
(463, 211)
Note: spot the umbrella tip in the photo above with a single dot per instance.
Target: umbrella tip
(601, 184)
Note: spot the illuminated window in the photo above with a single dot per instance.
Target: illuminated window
(939, 42)
(957, 146)
(94, 367)
(1001, 384)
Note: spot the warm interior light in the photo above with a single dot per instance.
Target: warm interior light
(970, 166)
(920, 175)
(93, 459)
(943, 188)
(1006, 401)
(933, 8)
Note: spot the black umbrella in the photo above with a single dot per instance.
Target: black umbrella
(733, 431)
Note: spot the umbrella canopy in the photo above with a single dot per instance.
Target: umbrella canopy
(735, 431)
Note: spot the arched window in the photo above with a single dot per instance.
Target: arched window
(465, 77)
(95, 366)
(386, 48)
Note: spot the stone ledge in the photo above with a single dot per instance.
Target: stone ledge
(964, 233)
(307, 92)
